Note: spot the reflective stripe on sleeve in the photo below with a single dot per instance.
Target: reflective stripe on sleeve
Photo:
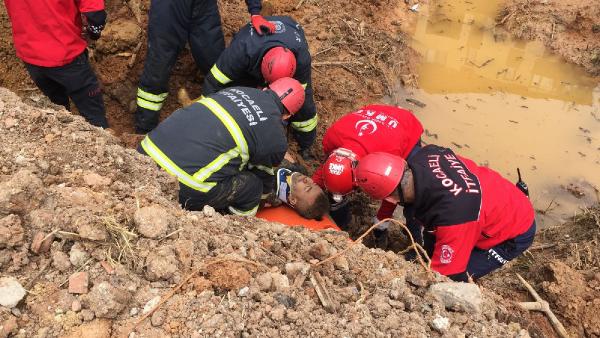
(306, 126)
(304, 85)
(266, 169)
(142, 94)
(159, 157)
(250, 212)
(218, 74)
(232, 127)
(216, 164)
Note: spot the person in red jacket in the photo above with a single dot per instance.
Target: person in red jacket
(475, 220)
(373, 128)
(48, 38)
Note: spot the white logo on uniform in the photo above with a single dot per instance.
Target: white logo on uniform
(279, 26)
(447, 254)
(336, 169)
(367, 127)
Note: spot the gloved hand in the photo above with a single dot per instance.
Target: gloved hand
(261, 25)
(95, 22)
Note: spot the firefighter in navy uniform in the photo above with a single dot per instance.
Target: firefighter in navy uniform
(172, 23)
(254, 60)
(223, 147)
(474, 220)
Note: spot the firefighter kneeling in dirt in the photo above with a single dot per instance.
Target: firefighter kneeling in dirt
(223, 147)
(474, 220)
(373, 128)
(255, 60)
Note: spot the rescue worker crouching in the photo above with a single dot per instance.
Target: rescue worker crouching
(255, 60)
(223, 148)
(372, 128)
(172, 24)
(474, 220)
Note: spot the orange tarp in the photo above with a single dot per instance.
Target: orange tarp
(286, 215)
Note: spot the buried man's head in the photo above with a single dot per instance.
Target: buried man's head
(307, 198)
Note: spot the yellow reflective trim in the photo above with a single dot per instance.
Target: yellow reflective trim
(304, 85)
(232, 127)
(202, 97)
(216, 165)
(151, 97)
(159, 157)
(266, 169)
(250, 212)
(218, 74)
(148, 105)
(306, 126)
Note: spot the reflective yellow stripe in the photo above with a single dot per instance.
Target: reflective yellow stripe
(232, 127)
(216, 165)
(202, 97)
(306, 126)
(250, 212)
(159, 157)
(304, 85)
(266, 169)
(151, 97)
(218, 74)
(148, 105)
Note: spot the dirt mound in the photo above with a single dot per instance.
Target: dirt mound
(562, 265)
(570, 28)
(74, 214)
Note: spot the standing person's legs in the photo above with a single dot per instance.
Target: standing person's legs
(83, 88)
(206, 35)
(483, 262)
(56, 92)
(168, 22)
(238, 195)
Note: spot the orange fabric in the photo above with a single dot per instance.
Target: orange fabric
(286, 215)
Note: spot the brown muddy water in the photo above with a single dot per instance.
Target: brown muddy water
(508, 104)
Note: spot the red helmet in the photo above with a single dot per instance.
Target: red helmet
(378, 174)
(278, 62)
(290, 92)
(338, 173)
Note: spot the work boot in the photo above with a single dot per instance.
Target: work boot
(381, 238)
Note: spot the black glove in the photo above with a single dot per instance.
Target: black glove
(95, 23)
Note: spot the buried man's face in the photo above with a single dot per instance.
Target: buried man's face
(304, 191)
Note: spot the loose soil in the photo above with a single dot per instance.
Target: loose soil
(570, 28)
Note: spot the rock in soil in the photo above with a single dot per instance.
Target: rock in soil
(99, 328)
(464, 297)
(11, 231)
(152, 221)
(11, 292)
(106, 300)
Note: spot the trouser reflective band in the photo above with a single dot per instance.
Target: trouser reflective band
(219, 75)
(159, 157)
(266, 169)
(306, 126)
(150, 101)
(232, 127)
(250, 212)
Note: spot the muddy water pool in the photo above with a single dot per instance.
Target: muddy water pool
(508, 104)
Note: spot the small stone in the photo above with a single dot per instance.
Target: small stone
(78, 256)
(341, 263)
(151, 304)
(107, 267)
(243, 291)
(60, 260)
(11, 231)
(280, 282)
(209, 211)
(95, 180)
(87, 315)
(295, 268)
(107, 301)
(455, 296)
(419, 279)
(152, 221)
(162, 264)
(76, 306)
(15, 311)
(92, 232)
(78, 282)
(278, 313)
(41, 243)
(11, 292)
(265, 281)
(134, 311)
(320, 250)
(440, 324)
(9, 327)
(158, 318)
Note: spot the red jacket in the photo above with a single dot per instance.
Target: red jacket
(47, 33)
(465, 205)
(373, 128)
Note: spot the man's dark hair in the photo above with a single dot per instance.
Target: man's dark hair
(316, 210)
